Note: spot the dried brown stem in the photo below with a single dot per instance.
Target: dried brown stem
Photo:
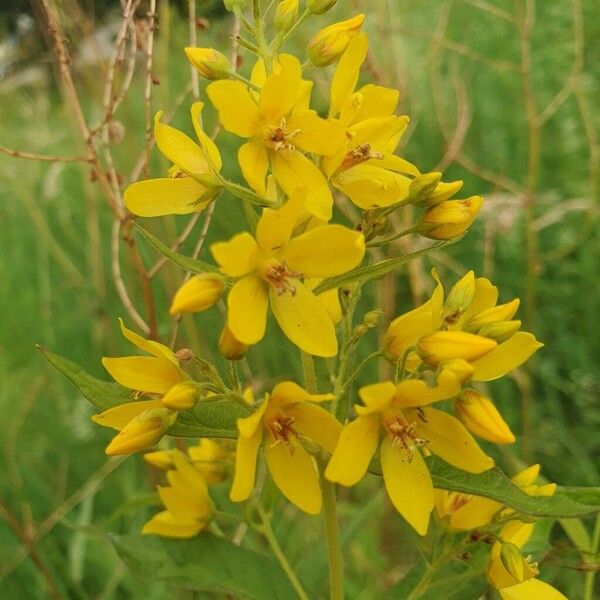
(43, 157)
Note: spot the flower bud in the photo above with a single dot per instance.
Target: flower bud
(230, 347)
(459, 368)
(449, 219)
(143, 431)
(318, 7)
(210, 63)
(182, 396)
(373, 317)
(444, 191)
(286, 15)
(328, 44)
(521, 568)
(460, 298)
(422, 187)
(446, 345)
(500, 331)
(198, 293)
(479, 415)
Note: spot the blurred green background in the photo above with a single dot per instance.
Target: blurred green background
(515, 116)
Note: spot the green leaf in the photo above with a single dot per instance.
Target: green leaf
(205, 564)
(566, 502)
(368, 272)
(185, 262)
(207, 419)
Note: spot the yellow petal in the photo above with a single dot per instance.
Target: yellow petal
(377, 101)
(166, 524)
(275, 227)
(238, 256)
(447, 345)
(354, 451)
(155, 348)
(404, 331)
(479, 415)
(143, 373)
(486, 296)
(534, 589)
(179, 148)
(254, 163)
(208, 146)
(181, 503)
(527, 477)
(408, 484)
(166, 196)
(394, 163)
(316, 135)
(476, 513)
(245, 466)
(303, 320)
(198, 293)
(329, 299)
(506, 357)
(238, 112)
(376, 396)
(448, 438)
(118, 417)
(288, 392)
(293, 170)
(280, 90)
(416, 392)
(346, 74)
(325, 251)
(247, 310)
(295, 474)
(143, 431)
(316, 423)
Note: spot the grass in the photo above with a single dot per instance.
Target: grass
(57, 289)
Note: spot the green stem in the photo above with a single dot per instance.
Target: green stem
(267, 531)
(390, 238)
(245, 81)
(310, 376)
(334, 548)
(590, 576)
(360, 367)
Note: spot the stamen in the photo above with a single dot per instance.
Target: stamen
(277, 274)
(403, 434)
(359, 155)
(282, 429)
(280, 138)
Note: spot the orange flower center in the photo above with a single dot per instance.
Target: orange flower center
(279, 138)
(277, 274)
(282, 429)
(403, 435)
(358, 155)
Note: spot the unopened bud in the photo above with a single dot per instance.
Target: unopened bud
(501, 331)
(184, 355)
(373, 317)
(143, 431)
(422, 187)
(182, 396)
(521, 568)
(286, 15)
(460, 297)
(230, 347)
(318, 7)
(445, 345)
(198, 293)
(449, 219)
(479, 415)
(210, 63)
(328, 44)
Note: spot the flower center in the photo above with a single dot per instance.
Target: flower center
(278, 275)
(282, 429)
(279, 138)
(359, 155)
(403, 434)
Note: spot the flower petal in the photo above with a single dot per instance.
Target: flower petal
(295, 474)
(408, 484)
(316, 134)
(238, 256)
(354, 451)
(275, 227)
(293, 170)
(288, 392)
(167, 524)
(247, 315)
(208, 146)
(165, 196)
(280, 91)
(143, 373)
(118, 417)
(534, 589)
(376, 396)
(346, 73)
(304, 320)
(448, 438)
(416, 392)
(316, 423)
(254, 163)
(506, 357)
(377, 101)
(238, 112)
(155, 348)
(245, 466)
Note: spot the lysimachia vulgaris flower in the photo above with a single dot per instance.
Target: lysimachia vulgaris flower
(365, 168)
(329, 43)
(142, 423)
(189, 507)
(290, 427)
(400, 418)
(279, 127)
(269, 271)
(194, 178)
(512, 574)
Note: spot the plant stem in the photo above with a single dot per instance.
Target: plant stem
(310, 377)
(588, 582)
(334, 549)
(267, 531)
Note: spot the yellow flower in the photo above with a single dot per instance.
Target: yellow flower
(479, 415)
(181, 396)
(188, 504)
(428, 189)
(279, 127)
(449, 218)
(365, 168)
(286, 423)
(230, 347)
(328, 44)
(210, 63)
(446, 345)
(286, 14)
(400, 418)
(269, 270)
(198, 293)
(194, 183)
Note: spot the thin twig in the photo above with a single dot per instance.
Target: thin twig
(43, 157)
